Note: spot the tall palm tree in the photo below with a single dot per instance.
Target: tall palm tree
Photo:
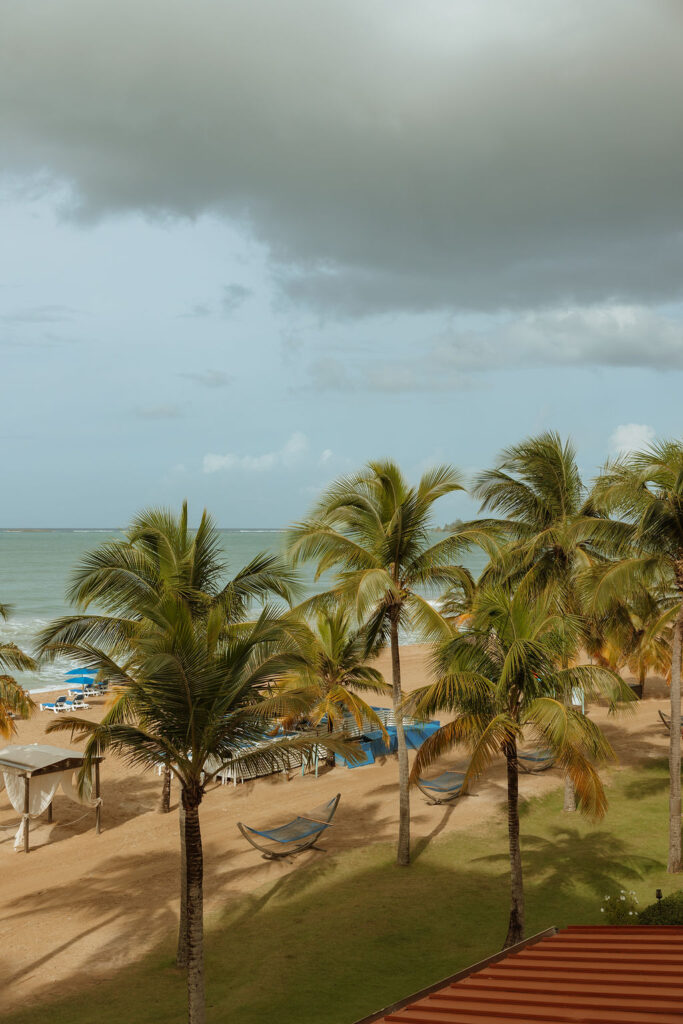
(159, 557)
(550, 530)
(196, 695)
(14, 699)
(644, 493)
(500, 675)
(372, 529)
(334, 674)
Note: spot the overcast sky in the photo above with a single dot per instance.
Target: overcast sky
(249, 244)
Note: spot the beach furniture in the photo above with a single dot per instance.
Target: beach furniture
(535, 761)
(442, 789)
(60, 704)
(295, 836)
(666, 720)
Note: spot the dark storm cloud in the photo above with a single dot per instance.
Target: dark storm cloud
(391, 155)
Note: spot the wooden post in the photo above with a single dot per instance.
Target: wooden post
(97, 796)
(49, 813)
(26, 808)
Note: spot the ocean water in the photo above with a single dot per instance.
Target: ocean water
(35, 566)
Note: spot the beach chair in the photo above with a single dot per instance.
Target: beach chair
(60, 704)
(78, 704)
(535, 761)
(442, 789)
(666, 720)
(296, 836)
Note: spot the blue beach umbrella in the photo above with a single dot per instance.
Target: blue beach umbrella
(89, 673)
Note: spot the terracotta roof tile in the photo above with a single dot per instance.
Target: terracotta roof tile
(581, 975)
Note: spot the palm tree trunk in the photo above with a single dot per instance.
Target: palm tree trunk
(516, 924)
(165, 802)
(329, 760)
(675, 863)
(403, 853)
(181, 954)
(569, 794)
(195, 911)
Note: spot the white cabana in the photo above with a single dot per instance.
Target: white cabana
(33, 773)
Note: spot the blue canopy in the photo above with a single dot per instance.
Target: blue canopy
(89, 672)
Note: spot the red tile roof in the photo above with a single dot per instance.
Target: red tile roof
(598, 975)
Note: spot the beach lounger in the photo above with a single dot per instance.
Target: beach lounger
(445, 787)
(666, 719)
(297, 835)
(535, 761)
(60, 704)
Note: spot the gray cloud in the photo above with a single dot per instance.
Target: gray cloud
(233, 297)
(46, 314)
(446, 155)
(210, 378)
(167, 411)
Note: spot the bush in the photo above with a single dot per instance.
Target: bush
(665, 911)
(620, 908)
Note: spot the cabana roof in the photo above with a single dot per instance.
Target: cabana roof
(604, 975)
(40, 759)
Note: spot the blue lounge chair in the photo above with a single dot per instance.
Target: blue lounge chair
(535, 761)
(445, 787)
(297, 835)
(60, 704)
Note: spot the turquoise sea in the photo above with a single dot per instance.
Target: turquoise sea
(35, 567)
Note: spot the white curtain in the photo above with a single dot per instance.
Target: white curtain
(41, 790)
(70, 789)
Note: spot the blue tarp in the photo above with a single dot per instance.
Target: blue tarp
(373, 744)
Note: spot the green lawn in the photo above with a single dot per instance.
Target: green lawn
(349, 934)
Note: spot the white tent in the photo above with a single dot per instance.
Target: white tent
(33, 773)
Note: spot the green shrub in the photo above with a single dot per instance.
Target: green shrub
(621, 907)
(668, 910)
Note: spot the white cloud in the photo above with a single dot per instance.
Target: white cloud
(292, 452)
(605, 335)
(630, 437)
(326, 456)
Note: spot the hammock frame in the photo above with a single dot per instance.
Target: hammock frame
(666, 722)
(320, 818)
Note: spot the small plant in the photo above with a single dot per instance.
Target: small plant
(620, 908)
(665, 911)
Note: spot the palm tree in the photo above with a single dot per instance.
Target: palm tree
(334, 673)
(500, 676)
(195, 693)
(644, 491)
(159, 556)
(635, 633)
(372, 528)
(550, 530)
(14, 700)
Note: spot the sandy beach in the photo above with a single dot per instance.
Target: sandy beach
(81, 906)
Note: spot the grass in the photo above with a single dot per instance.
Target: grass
(349, 934)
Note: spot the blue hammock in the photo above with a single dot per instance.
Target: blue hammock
(297, 835)
(443, 788)
(535, 761)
